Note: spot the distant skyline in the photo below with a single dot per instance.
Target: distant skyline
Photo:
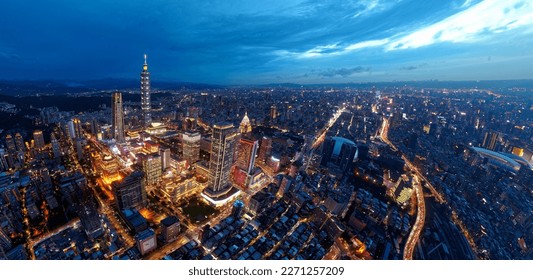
(281, 41)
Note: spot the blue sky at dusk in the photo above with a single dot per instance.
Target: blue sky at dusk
(247, 42)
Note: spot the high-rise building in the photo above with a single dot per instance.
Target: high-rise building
(19, 142)
(10, 144)
(78, 132)
(95, 128)
(131, 192)
(246, 155)
(165, 158)
(244, 162)
(56, 149)
(273, 112)
(347, 155)
(152, 170)
(245, 128)
(490, 140)
(145, 95)
(191, 147)
(327, 150)
(39, 139)
(266, 149)
(118, 117)
(222, 148)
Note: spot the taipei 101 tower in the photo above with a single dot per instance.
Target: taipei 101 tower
(145, 95)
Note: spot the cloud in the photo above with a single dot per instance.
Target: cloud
(473, 24)
(367, 7)
(343, 72)
(413, 67)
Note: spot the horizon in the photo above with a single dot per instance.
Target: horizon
(296, 42)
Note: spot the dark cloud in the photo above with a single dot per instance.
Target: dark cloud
(413, 67)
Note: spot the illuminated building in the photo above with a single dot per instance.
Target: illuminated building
(39, 139)
(146, 241)
(165, 158)
(78, 132)
(109, 168)
(274, 163)
(245, 128)
(151, 147)
(191, 147)
(223, 146)
(131, 192)
(118, 117)
(244, 163)
(273, 112)
(246, 155)
(10, 144)
(56, 149)
(145, 95)
(265, 149)
(152, 170)
(19, 142)
(518, 151)
(170, 228)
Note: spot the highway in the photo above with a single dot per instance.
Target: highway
(416, 230)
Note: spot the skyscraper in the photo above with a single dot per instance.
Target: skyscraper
(78, 132)
(118, 117)
(56, 149)
(266, 149)
(490, 140)
(165, 158)
(191, 147)
(246, 155)
(223, 145)
(39, 139)
(346, 156)
(273, 112)
(19, 142)
(131, 192)
(145, 95)
(327, 150)
(10, 144)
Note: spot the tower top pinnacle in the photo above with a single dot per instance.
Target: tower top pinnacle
(145, 66)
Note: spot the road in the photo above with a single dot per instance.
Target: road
(416, 230)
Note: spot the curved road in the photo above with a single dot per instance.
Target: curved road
(414, 235)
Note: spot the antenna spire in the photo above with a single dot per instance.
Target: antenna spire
(145, 56)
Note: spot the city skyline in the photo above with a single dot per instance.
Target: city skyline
(303, 42)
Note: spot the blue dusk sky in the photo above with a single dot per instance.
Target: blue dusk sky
(254, 42)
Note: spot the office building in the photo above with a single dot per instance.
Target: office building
(191, 147)
(131, 192)
(327, 151)
(38, 139)
(118, 117)
(170, 229)
(152, 170)
(265, 150)
(222, 148)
